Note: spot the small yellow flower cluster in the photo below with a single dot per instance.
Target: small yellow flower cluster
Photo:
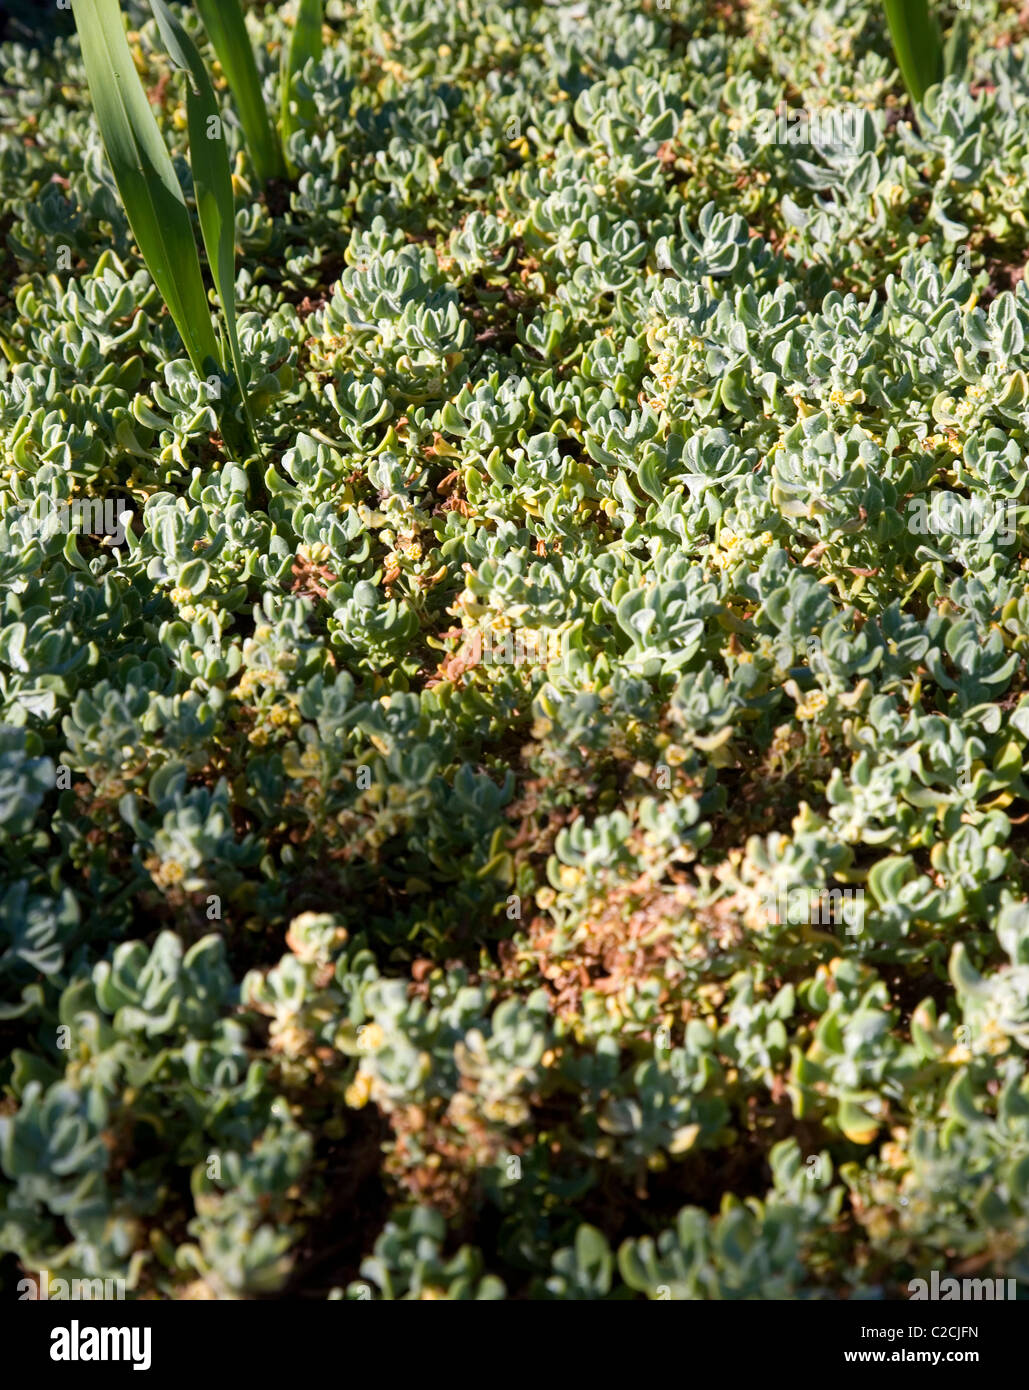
(407, 547)
(994, 1037)
(812, 705)
(942, 441)
(734, 547)
(308, 764)
(782, 740)
(358, 1093)
(663, 374)
(973, 396)
(247, 685)
(254, 677)
(166, 873)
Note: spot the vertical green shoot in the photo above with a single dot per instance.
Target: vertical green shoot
(212, 179)
(916, 44)
(227, 30)
(305, 45)
(145, 178)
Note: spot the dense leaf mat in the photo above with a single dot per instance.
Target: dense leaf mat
(397, 825)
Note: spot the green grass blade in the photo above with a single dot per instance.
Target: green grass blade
(955, 52)
(305, 44)
(223, 20)
(145, 177)
(916, 43)
(212, 179)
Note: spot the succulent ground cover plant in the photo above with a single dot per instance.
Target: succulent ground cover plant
(544, 814)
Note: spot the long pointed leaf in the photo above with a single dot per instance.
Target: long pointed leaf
(955, 52)
(212, 179)
(304, 45)
(223, 20)
(145, 177)
(916, 43)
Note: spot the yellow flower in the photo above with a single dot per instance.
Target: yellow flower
(781, 739)
(359, 1091)
(168, 873)
(813, 705)
(245, 686)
